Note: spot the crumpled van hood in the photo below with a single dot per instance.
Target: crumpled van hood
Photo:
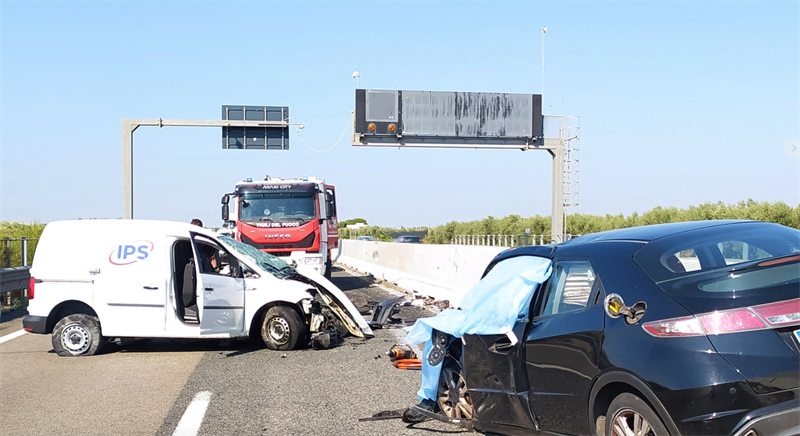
(338, 303)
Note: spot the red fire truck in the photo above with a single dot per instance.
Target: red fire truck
(294, 219)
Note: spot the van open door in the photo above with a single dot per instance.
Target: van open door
(220, 288)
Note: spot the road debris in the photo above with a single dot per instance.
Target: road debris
(329, 338)
(383, 311)
(386, 414)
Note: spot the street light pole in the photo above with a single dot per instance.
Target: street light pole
(544, 30)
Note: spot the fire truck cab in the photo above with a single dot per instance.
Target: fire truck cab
(294, 219)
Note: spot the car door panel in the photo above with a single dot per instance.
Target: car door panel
(562, 352)
(562, 357)
(220, 298)
(496, 378)
(223, 304)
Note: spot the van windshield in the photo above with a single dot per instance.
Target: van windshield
(266, 261)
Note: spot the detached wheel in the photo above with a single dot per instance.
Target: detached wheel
(629, 415)
(77, 335)
(282, 329)
(452, 397)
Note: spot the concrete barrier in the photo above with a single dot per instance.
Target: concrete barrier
(443, 272)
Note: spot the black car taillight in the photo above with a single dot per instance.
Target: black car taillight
(743, 319)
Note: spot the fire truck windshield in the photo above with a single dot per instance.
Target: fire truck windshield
(277, 207)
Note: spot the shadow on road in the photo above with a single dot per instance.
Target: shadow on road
(350, 283)
(12, 315)
(456, 429)
(233, 347)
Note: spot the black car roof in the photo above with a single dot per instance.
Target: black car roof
(651, 232)
(642, 234)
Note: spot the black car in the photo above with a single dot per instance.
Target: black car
(686, 328)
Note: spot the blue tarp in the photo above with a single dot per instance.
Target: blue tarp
(491, 307)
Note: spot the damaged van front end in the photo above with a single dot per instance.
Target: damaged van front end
(338, 303)
(328, 313)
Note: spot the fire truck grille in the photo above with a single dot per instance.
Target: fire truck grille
(281, 253)
(307, 242)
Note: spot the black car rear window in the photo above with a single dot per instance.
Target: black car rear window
(715, 248)
(750, 284)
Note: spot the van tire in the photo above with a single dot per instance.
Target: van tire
(83, 333)
(282, 329)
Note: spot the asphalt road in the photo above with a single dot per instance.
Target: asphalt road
(146, 388)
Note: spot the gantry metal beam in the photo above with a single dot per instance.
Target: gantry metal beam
(130, 125)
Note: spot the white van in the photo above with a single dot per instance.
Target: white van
(98, 279)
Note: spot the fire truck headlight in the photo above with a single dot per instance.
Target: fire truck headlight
(313, 261)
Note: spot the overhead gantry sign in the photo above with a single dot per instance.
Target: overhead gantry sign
(432, 119)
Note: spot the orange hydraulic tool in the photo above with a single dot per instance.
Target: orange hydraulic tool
(408, 364)
(401, 351)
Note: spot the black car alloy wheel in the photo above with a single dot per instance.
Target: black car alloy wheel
(452, 397)
(628, 415)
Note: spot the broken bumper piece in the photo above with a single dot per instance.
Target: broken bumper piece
(424, 411)
(324, 340)
(383, 311)
(386, 414)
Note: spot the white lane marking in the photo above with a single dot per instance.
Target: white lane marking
(389, 290)
(352, 273)
(11, 336)
(193, 417)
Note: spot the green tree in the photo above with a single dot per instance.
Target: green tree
(582, 224)
(345, 223)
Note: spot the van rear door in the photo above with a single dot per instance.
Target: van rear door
(220, 292)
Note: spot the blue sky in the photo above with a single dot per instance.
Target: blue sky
(680, 103)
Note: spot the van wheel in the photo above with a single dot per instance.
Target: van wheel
(282, 329)
(629, 415)
(77, 335)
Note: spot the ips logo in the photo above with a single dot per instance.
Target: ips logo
(131, 252)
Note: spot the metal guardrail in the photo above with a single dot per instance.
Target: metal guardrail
(14, 279)
(506, 240)
(20, 257)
